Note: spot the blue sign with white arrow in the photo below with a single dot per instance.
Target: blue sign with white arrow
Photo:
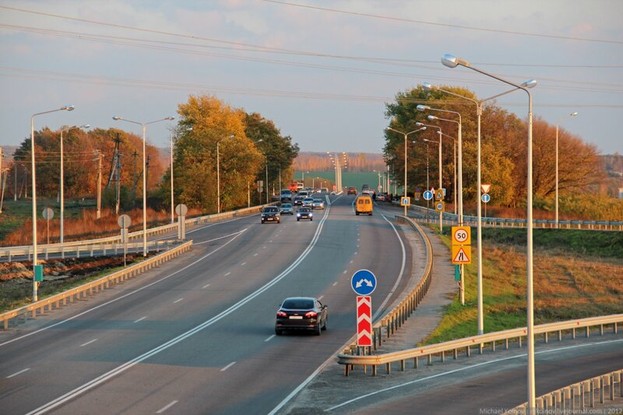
(363, 282)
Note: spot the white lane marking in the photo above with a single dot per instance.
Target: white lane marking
(345, 271)
(269, 338)
(18, 373)
(228, 273)
(335, 283)
(133, 362)
(114, 300)
(255, 254)
(178, 300)
(206, 286)
(89, 342)
(235, 234)
(320, 298)
(243, 264)
(140, 319)
(462, 369)
(228, 366)
(166, 407)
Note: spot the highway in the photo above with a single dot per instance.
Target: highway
(196, 335)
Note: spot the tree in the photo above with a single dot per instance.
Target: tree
(205, 124)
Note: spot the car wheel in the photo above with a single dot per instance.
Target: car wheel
(298, 219)
(324, 326)
(310, 219)
(318, 330)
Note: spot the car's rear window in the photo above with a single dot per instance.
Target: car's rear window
(299, 304)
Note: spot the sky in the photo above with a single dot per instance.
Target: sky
(322, 71)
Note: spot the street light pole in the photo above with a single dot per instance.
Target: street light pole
(34, 196)
(452, 62)
(573, 114)
(406, 135)
(440, 173)
(144, 130)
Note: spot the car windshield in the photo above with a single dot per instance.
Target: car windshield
(298, 304)
(270, 209)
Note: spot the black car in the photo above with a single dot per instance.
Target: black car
(302, 313)
(270, 214)
(304, 213)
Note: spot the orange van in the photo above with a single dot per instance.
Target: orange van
(363, 205)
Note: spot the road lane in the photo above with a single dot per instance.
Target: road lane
(225, 273)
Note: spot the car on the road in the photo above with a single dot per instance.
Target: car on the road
(270, 214)
(308, 202)
(302, 313)
(304, 213)
(298, 200)
(364, 205)
(287, 209)
(318, 203)
(351, 191)
(286, 195)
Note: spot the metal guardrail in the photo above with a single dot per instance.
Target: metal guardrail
(399, 313)
(466, 344)
(113, 243)
(579, 397)
(431, 216)
(58, 300)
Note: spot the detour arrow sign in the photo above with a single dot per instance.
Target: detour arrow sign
(364, 320)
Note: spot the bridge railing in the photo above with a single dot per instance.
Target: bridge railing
(579, 397)
(71, 295)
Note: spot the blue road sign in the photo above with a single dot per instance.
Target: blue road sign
(485, 198)
(363, 282)
(427, 195)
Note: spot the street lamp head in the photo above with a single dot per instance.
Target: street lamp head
(573, 114)
(432, 117)
(529, 84)
(422, 107)
(427, 86)
(419, 124)
(116, 118)
(452, 61)
(169, 118)
(68, 108)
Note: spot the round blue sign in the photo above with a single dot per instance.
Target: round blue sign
(363, 282)
(428, 195)
(486, 198)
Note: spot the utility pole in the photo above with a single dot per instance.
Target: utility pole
(99, 184)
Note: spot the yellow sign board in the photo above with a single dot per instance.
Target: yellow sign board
(461, 254)
(461, 235)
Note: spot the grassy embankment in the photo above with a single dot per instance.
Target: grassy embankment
(577, 274)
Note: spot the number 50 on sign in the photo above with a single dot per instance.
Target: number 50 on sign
(461, 235)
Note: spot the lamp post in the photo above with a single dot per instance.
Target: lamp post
(573, 114)
(406, 135)
(452, 62)
(440, 174)
(34, 195)
(428, 86)
(144, 128)
(62, 184)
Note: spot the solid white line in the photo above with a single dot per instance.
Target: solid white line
(227, 274)
(462, 369)
(335, 283)
(140, 319)
(131, 363)
(178, 300)
(18, 373)
(243, 264)
(114, 300)
(89, 342)
(206, 286)
(269, 338)
(166, 407)
(228, 366)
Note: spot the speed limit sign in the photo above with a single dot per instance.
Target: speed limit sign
(461, 235)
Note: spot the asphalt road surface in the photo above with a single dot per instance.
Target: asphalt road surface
(196, 336)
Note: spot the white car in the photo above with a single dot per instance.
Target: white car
(308, 202)
(318, 204)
